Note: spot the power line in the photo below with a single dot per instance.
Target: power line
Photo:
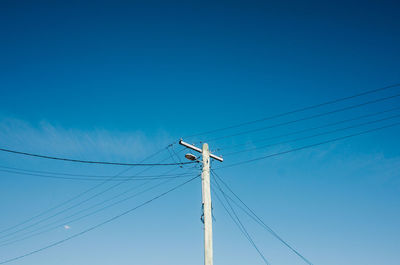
(132, 178)
(312, 128)
(78, 175)
(98, 225)
(80, 194)
(176, 154)
(91, 207)
(310, 146)
(91, 162)
(258, 220)
(314, 135)
(296, 110)
(238, 223)
(171, 155)
(65, 210)
(33, 233)
(71, 207)
(64, 220)
(306, 118)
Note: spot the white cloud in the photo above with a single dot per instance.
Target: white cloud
(46, 138)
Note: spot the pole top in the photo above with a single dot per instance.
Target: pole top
(195, 148)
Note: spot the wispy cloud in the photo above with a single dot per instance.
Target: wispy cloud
(47, 138)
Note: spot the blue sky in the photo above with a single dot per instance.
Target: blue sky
(117, 81)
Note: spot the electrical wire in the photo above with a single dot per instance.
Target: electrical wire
(67, 209)
(91, 207)
(91, 162)
(296, 110)
(309, 146)
(310, 129)
(257, 219)
(33, 233)
(171, 155)
(71, 207)
(133, 178)
(239, 224)
(77, 175)
(176, 154)
(314, 135)
(98, 225)
(64, 220)
(80, 194)
(305, 118)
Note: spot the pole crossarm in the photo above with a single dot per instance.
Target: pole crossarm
(195, 148)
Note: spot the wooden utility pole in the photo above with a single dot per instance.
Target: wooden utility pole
(206, 194)
(206, 198)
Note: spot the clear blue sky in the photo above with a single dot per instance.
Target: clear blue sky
(116, 81)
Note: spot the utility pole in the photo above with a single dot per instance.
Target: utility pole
(206, 197)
